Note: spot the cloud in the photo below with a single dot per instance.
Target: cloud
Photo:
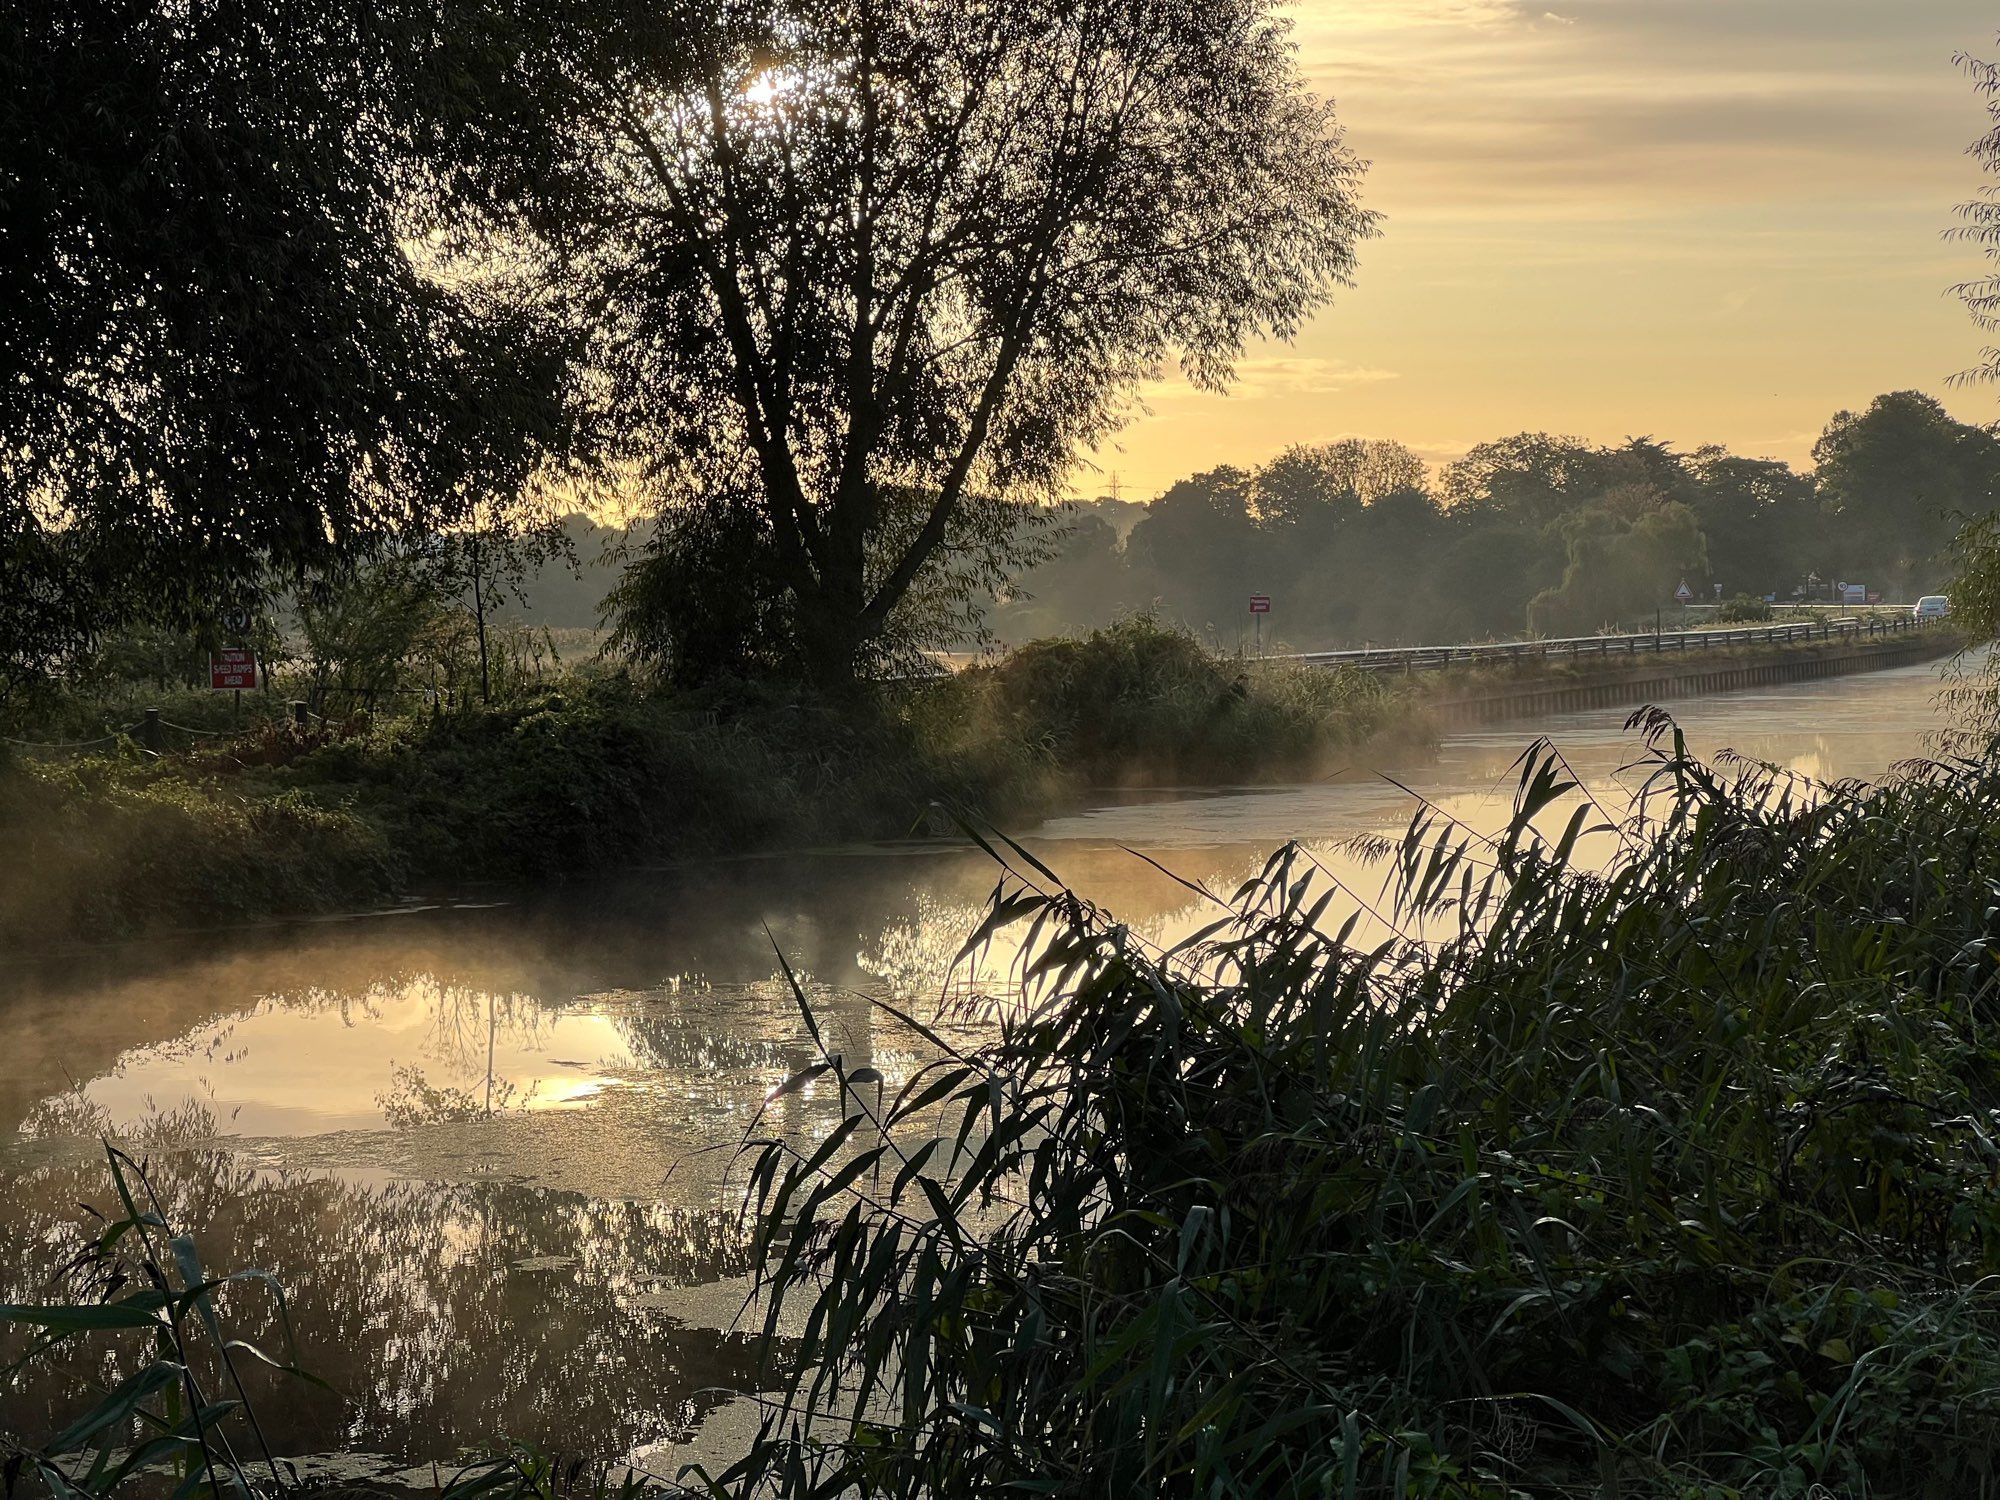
(1442, 450)
(1279, 376)
(1714, 218)
(1358, 16)
(1477, 105)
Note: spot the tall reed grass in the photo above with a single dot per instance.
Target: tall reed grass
(1677, 1177)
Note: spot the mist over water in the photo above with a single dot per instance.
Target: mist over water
(489, 1150)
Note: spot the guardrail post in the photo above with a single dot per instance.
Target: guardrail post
(299, 713)
(151, 733)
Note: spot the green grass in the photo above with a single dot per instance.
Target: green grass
(100, 848)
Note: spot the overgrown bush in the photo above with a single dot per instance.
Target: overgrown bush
(1674, 1176)
(101, 848)
(1743, 610)
(594, 772)
(1140, 700)
(563, 783)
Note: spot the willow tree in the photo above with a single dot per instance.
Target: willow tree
(1979, 224)
(850, 255)
(1975, 591)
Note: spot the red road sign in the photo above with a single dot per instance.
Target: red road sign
(232, 667)
(1260, 604)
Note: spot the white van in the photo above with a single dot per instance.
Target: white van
(1932, 607)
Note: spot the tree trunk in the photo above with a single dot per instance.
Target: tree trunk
(479, 622)
(832, 634)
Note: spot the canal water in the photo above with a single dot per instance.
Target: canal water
(490, 1149)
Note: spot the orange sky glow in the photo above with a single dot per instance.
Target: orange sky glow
(1698, 220)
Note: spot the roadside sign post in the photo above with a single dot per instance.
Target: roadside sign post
(1260, 606)
(231, 669)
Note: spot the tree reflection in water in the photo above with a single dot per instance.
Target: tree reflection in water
(375, 1146)
(444, 1315)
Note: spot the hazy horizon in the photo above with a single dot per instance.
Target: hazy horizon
(1676, 218)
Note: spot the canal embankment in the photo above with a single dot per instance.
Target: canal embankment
(1500, 692)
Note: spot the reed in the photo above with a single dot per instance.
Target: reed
(1672, 1177)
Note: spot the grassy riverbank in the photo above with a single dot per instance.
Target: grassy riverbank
(598, 771)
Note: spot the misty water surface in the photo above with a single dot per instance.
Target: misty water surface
(488, 1148)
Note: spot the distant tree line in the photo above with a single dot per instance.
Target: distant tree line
(1358, 541)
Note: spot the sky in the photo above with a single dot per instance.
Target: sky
(1695, 220)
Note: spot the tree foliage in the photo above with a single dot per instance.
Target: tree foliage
(1357, 542)
(219, 351)
(838, 258)
(1621, 554)
(1979, 223)
(1899, 479)
(1309, 484)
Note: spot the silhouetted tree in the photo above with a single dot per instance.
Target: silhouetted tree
(1979, 224)
(1533, 478)
(1626, 554)
(914, 248)
(1482, 575)
(1196, 551)
(1898, 480)
(1310, 485)
(218, 352)
(1763, 520)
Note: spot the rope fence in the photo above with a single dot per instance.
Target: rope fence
(149, 733)
(109, 739)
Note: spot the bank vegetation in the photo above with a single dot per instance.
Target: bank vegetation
(597, 769)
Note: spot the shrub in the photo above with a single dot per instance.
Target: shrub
(594, 772)
(99, 848)
(1142, 700)
(1743, 610)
